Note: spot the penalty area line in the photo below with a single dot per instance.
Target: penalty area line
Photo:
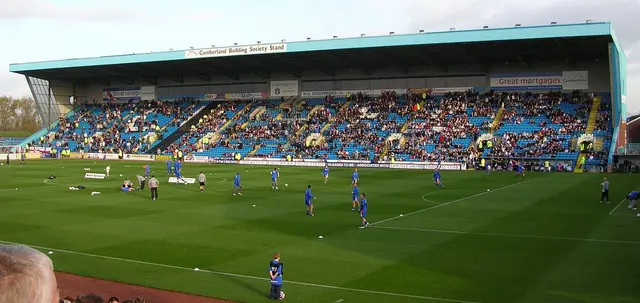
(220, 273)
(447, 203)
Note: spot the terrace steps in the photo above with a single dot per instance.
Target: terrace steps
(295, 136)
(593, 116)
(216, 134)
(254, 151)
(283, 105)
(496, 121)
(258, 111)
(315, 109)
(183, 129)
(591, 126)
(579, 168)
(326, 126)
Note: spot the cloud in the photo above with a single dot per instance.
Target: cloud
(205, 22)
(48, 10)
(468, 14)
(13, 85)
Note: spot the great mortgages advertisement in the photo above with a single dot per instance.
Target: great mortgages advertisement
(145, 93)
(567, 80)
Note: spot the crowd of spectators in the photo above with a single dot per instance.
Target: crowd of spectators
(98, 133)
(545, 142)
(209, 123)
(437, 128)
(523, 108)
(103, 132)
(360, 125)
(439, 123)
(603, 120)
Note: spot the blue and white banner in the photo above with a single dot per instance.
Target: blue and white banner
(574, 80)
(145, 93)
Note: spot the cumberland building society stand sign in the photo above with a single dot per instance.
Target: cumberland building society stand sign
(256, 49)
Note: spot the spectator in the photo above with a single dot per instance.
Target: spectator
(89, 298)
(26, 276)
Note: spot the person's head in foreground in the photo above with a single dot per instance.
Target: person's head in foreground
(26, 275)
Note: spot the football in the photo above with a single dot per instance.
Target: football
(282, 294)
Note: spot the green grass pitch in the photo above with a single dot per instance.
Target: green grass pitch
(545, 238)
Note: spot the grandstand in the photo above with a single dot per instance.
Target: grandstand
(408, 98)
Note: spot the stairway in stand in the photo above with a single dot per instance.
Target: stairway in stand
(283, 105)
(593, 116)
(254, 151)
(497, 119)
(591, 126)
(404, 128)
(326, 126)
(185, 128)
(213, 136)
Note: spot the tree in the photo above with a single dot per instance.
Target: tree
(19, 114)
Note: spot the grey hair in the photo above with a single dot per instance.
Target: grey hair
(26, 275)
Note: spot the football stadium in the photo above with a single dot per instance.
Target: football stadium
(483, 157)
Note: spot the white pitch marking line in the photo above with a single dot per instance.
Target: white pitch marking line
(220, 181)
(220, 273)
(506, 235)
(429, 201)
(432, 202)
(447, 203)
(437, 192)
(614, 209)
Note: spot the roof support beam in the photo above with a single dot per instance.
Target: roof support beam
(206, 78)
(152, 81)
(462, 51)
(367, 71)
(216, 70)
(198, 74)
(104, 82)
(430, 62)
(330, 71)
(235, 77)
(293, 70)
(127, 72)
(561, 48)
(179, 79)
(524, 63)
(261, 74)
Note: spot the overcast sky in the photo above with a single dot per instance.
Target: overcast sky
(37, 30)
